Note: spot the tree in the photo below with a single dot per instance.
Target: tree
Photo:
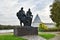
(55, 13)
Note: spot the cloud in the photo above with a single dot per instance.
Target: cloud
(44, 14)
(9, 8)
(8, 11)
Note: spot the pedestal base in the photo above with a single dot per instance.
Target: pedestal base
(22, 31)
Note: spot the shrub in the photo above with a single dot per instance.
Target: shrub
(42, 27)
(52, 30)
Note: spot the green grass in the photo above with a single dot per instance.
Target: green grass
(10, 37)
(47, 36)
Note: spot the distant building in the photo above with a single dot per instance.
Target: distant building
(50, 25)
(37, 21)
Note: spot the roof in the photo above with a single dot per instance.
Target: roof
(37, 19)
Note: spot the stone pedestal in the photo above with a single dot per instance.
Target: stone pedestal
(22, 31)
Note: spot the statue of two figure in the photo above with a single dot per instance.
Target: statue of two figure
(26, 19)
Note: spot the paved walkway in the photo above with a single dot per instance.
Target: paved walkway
(57, 37)
(34, 37)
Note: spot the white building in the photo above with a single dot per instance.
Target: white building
(37, 21)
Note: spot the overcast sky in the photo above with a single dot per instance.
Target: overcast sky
(9, 8)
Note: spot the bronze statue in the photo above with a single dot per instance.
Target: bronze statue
(25, 19)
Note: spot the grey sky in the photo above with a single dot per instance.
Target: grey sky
(9, 8)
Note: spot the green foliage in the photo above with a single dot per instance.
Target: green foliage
(47, 36)
(42, 27)
(10, 37)
(55, 13)
(54, 29)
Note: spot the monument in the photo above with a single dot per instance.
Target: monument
(26, 28)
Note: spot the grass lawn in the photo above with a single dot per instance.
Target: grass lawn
(47, 36)
(10, 37)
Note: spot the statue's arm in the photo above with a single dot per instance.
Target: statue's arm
(17, 14)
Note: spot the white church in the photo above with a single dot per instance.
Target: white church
(37, 21)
